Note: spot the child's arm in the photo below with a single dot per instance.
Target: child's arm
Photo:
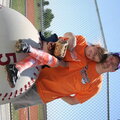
(71, 40)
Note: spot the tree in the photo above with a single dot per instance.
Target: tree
(45, 3)
(47, 33)
(47, 16)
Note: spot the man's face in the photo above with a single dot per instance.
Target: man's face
(92, 53)
(111, 63)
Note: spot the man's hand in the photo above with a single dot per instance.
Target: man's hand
(51, 47)
(63, 63)
(70, 100)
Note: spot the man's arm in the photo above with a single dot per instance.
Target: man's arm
(70, 100)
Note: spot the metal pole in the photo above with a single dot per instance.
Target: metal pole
(105, 45)
(11, 114)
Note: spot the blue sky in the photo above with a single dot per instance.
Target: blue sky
(80, 17)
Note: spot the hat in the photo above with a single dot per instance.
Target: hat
(118, 55)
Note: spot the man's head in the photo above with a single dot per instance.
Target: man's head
(112, 62)
(95, 53)
(118, 56)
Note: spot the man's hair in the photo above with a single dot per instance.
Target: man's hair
(104, 57)
(101, 52)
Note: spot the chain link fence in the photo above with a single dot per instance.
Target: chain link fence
(96, 108)
(90, 26)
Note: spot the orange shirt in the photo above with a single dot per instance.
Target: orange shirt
(90, 89)
(58, 82)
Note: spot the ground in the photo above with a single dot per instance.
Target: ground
(32, 112)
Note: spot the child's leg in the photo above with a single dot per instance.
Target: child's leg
(26, 63)
(14, 70)
(43, 57)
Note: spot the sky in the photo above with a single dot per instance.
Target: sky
(80, 17)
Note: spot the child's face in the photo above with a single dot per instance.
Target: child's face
(92, 53)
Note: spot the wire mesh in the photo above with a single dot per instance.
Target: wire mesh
(97, 107)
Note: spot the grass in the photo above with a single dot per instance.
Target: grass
(15, 114)
(37, 14)
(19, 5)
(41, 112)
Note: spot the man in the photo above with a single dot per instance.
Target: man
(111, 64)
(84, 84)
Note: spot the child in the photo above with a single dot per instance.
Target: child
(72, 44)
(77, 52)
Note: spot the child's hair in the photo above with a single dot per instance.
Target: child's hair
(101, 52)
(104, 56)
